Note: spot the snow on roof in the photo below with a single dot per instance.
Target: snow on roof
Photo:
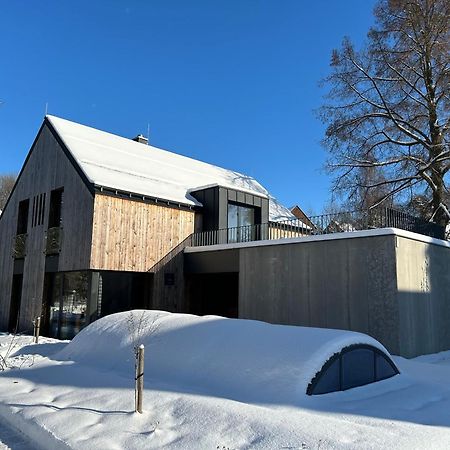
(233, 357)
(116, 162)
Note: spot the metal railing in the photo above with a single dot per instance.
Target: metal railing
(53, 240)
(322, 224)
(19, 247)
(172, 253)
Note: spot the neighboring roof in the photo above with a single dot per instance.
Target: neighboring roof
(276, 362)
(298, 212)
(119, 163)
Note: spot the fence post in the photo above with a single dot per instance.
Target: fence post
(37, 329)
(139, 388)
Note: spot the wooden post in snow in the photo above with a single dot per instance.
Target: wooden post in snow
(37, 329)
(139, 389)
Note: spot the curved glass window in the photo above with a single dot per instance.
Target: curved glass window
(353, 366)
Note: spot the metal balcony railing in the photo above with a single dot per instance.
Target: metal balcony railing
(19, 247)
(53, 240)
(322, 224)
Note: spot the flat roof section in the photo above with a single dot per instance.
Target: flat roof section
(323, 237)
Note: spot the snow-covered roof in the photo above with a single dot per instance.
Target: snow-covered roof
(230, 356)
(119, 163)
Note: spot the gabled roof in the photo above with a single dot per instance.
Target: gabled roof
(116, 162)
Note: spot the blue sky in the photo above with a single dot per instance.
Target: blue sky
(233, 83)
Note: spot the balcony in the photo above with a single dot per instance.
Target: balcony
(53, 241)
(19, 249)
(323, 224)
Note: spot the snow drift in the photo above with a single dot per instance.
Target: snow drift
(240, 359)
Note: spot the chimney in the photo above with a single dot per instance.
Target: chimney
(141, 139)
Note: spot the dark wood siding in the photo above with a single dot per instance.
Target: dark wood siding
(215, 205)
(47, 168)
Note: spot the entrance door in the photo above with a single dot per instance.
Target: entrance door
(14, 308)
(213, 294)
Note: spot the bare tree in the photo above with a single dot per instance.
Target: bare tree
(6, 185)
(387, 110)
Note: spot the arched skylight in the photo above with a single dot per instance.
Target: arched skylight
(355, 365)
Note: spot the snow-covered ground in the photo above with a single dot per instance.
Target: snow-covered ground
(204, 391)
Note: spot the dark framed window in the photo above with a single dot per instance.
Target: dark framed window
(241, 221)
(14, 309)
(54, 217)
(356, 365)
(66, 304)
(22, 217)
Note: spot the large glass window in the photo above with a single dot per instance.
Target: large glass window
(330, 380)
(68, 304)
(241, 221)
(358, 368)
(354, 366)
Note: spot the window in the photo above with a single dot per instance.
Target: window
(241, 221)
(358, 368)
(22, 217)
(14, 309)
(330, 379)
(54, 217)
(354, 366)
(68, 304)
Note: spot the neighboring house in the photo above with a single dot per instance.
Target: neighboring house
(336, 226)
(92, 213)
(299, 214)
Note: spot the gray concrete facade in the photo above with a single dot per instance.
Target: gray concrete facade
(391, 284)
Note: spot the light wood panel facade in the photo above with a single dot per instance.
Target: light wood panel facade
(132, 236)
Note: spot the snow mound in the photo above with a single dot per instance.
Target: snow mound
(240, 359)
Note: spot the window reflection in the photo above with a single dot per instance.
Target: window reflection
(354, 366)
(241, 221)
(68, 305)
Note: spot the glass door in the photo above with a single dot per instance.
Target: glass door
(241, 221)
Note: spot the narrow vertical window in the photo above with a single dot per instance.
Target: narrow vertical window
(42, 212)
(36, 210)
(22, 217)
(54, 218)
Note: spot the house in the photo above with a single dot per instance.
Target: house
(98, 223)
(91, 213)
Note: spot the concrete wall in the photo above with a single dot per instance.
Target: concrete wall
(391, 284)
(423, 282)
(347, 283)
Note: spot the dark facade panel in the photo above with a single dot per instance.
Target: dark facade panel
(18, 266)
(215, 206)
(212, 262)
(209, 198)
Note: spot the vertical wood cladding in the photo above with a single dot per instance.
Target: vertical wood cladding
(131, 235)
(46, 168)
